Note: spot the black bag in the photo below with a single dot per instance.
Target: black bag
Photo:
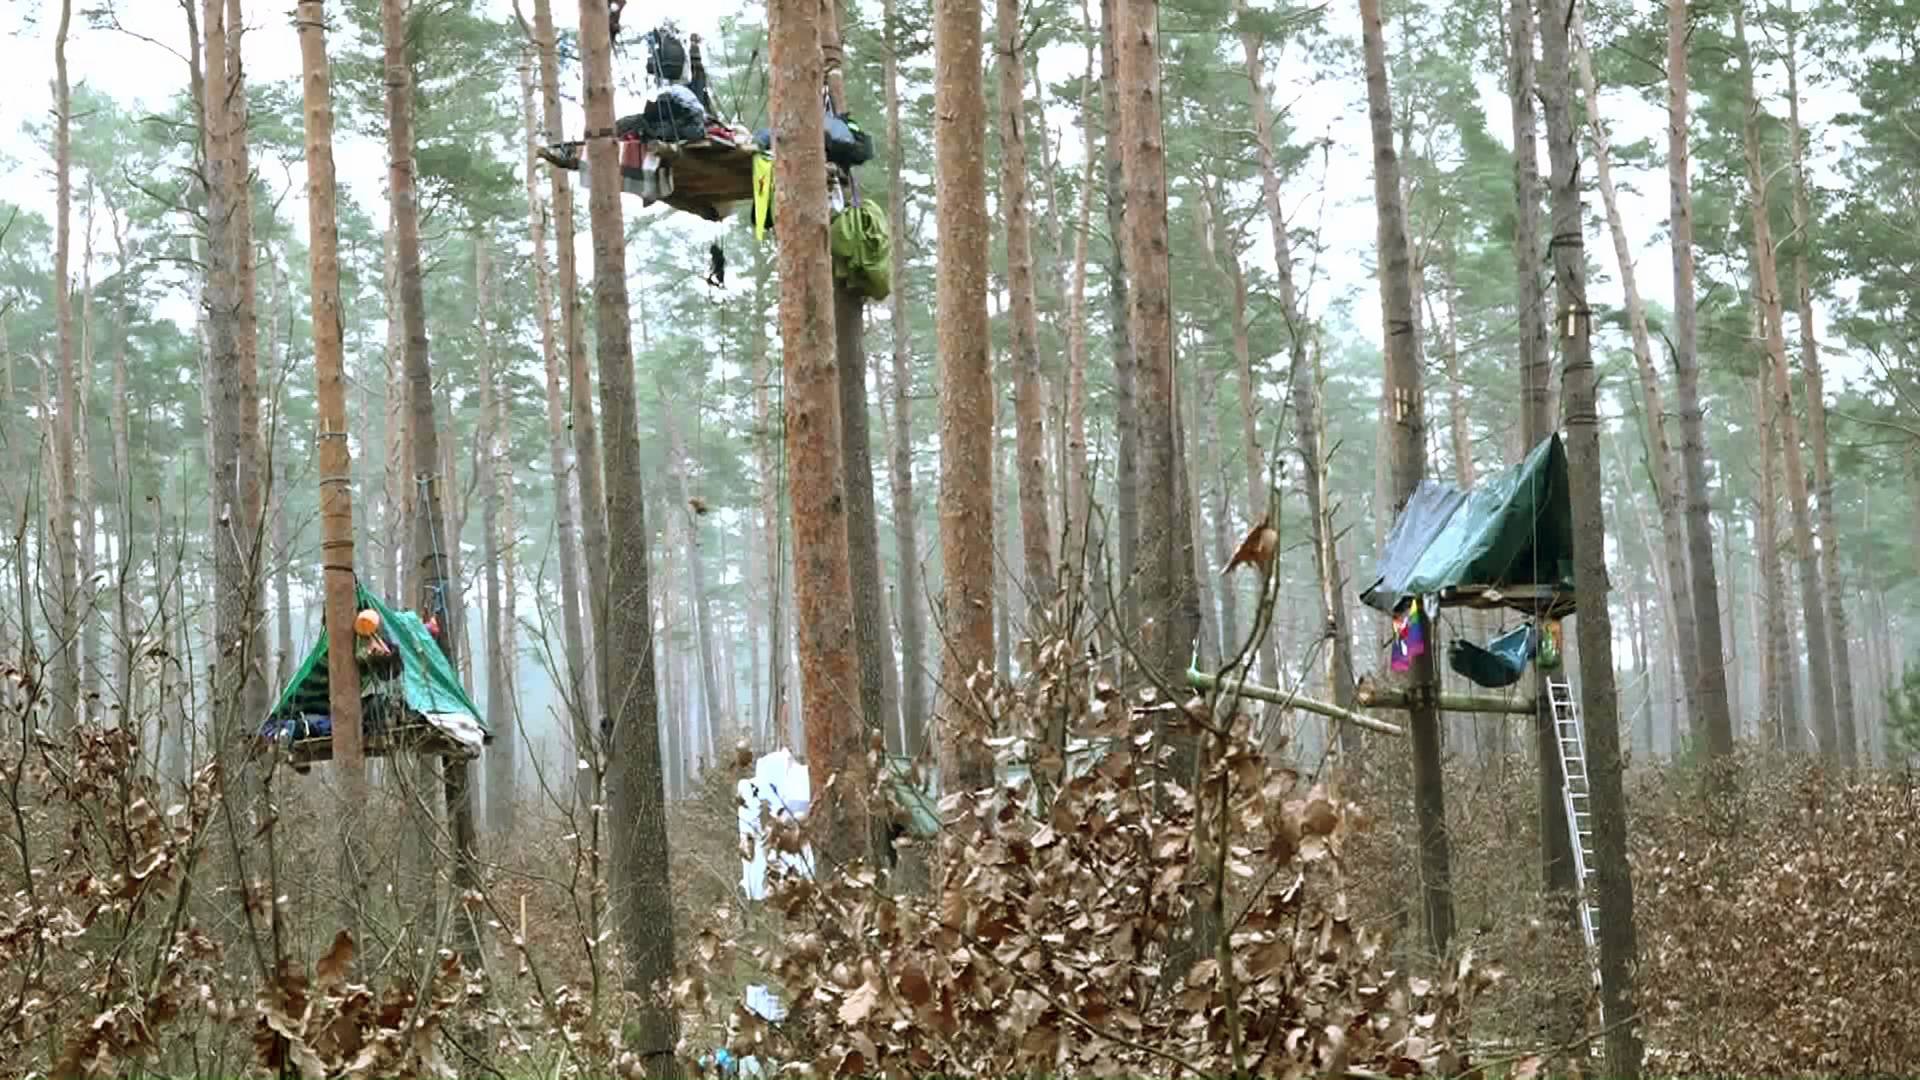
(674, 115)
(846, 144)
(666, 56)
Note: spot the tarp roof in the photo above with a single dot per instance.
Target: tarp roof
(1507, 542)
(428, 682)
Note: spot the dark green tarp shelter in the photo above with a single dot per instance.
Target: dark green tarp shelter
(416, 688)
(1508, 542)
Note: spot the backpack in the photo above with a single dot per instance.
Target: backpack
(666, 57)
(862, 251)
(846, 144)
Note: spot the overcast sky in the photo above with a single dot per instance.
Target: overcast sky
(151, 71)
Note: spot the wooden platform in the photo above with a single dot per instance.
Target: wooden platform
(420, 738)
(1543, 601)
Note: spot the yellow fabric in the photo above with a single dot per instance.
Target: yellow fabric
(762, 194)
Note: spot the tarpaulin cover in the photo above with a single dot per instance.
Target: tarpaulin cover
(1510, 530)
(427, 681)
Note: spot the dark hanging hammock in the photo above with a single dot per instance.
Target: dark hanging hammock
(1500, 663)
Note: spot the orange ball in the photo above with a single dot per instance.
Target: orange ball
(366, 623)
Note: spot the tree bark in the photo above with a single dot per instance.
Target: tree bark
(830, 683)
(1406, 435)
(906, 526)
(1781, 681)
(1836, 611)
(1666, 476)
(433, 581)
(334, 453)
(500, 756)
(642, 890)
(1126, 424)
(712, 707)
(1165, 591)
(399, 500)
(773, 522)
(1594, 625)
(1082, 555)
(579, 673)
(586, 435)
(66, 657)
(966, 391)
(1767, 296)
(1030, 440)
(873, 637)
(1711, 698)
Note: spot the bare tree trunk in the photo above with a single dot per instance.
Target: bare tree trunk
(432, 579)
(254, 698)
(1406, 434)
(1779, 680)
(642, 892)
(1665, 474)
(399, 508)
(334, 453)
(1126, 424)
(500, 755)
(966, 391)
(84, 492)
(1767, 296)
(1029, 392)
(682, 466)
(829, 660)
(1559, 21)
(1704, 587)
(579, 674)
(773, 521)
(1536, 413)
(62, 507)
(1836, 612)
(906, 526)
(125, 598)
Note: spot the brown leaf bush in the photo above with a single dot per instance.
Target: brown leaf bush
(1778, 936)
(1107, 920)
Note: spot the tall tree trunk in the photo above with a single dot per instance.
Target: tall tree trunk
(1165, 588)
(966, 391)
(1406, 435)
(1779, 680)
(66, 655)
(586, 435)
(712, 706)
(84, 490)
(1536, 412)
(873, 637)
(400, 491)
(1080, 559)
(1126, 424)
(284, 660)
(829, 660)
(334, 452)
(1036, 535)
(642, 892)
(1665, 475)
(254, 692)
(1704, 586)
(1559, 22)
(1304, 385)
(126, 648)
(767, 440)
(906, 525)
(432, 577)
(579, 673)
(500, 755)
(1836, 611)
(1767, 296)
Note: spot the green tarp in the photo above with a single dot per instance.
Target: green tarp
(426, 683)
(1514, 529)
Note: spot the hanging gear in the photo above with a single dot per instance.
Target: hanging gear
(614, 7)
(666, 56)
(716, 268)
(862, 251)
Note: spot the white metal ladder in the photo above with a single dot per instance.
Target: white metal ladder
(1576, 794)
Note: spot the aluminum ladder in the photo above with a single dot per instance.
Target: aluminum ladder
(1577, 796)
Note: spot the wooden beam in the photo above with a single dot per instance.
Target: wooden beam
(1373, 697)
(1201, 680)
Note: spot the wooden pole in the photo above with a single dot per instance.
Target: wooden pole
(1201, 680)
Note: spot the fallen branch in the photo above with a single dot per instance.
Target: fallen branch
(1200, 680)
(1378, 698)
